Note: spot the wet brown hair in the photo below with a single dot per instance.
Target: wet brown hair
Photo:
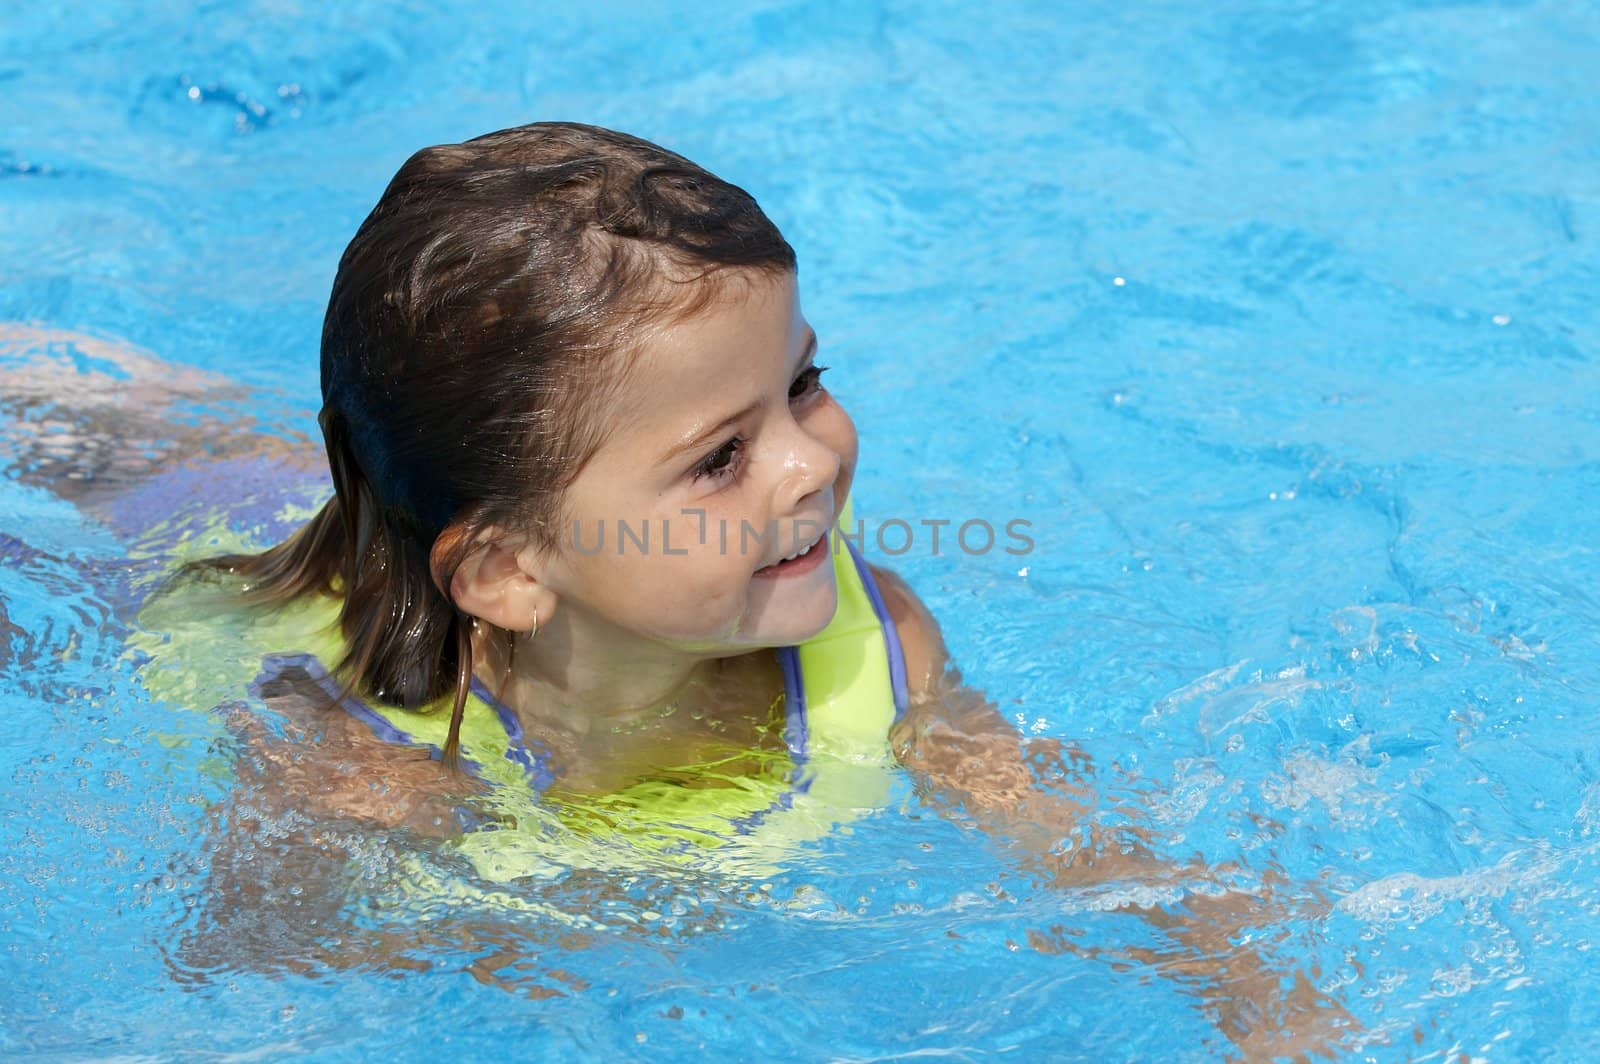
(476, 320)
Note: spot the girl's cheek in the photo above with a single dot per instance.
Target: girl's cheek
(839, 432)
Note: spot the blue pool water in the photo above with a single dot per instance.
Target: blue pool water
(1277, 321)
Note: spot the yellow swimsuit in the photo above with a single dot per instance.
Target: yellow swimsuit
(745, 814)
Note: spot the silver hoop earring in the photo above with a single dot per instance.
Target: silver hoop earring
(533, 631)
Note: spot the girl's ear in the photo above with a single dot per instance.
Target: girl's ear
(495, 582)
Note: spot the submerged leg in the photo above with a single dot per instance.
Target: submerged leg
(100, 424)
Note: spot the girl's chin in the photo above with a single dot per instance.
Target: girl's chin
(791, 616)
(777, 613)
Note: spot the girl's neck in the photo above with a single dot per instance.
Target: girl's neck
(557, 687)
(610, 718)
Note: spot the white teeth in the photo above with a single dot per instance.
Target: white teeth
(797, 553)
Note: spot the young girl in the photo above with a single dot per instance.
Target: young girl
(583, 595)
(587, 491)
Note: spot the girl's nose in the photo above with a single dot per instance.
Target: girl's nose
(810, 466)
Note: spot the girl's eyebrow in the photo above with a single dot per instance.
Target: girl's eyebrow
(700, 438)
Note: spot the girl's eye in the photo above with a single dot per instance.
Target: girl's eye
(809, 381)
(722, 462)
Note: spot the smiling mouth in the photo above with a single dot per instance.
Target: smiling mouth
(801, 562)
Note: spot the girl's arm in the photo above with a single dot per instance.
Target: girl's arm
(1037, 795)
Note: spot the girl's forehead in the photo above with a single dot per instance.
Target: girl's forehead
(714, 354)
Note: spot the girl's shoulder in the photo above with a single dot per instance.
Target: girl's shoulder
(317, 759)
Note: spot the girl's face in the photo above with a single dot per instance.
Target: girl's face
(725, 457)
